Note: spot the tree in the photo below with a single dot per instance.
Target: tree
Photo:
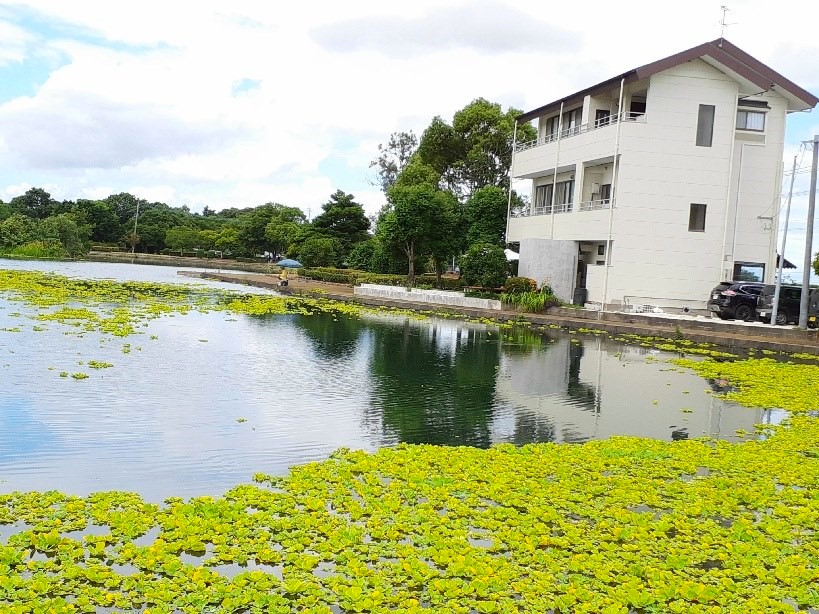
(344, 220)
(476, 150)
(17, 230)
(65, 229)
(361, 255)
(394, 157)
(182, 238)
(816, 263)
(484, 264)
(35, 203)
(283, 227)
(485, 216)
(411, 225)
(101, 216)
(318, 251)
(125, 205)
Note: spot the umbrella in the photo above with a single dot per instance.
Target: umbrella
(510, 255)
(290, 263)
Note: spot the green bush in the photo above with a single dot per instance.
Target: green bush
(484, 265)
(354, 277)
(531, 302)
(519, 285)
(38, 249)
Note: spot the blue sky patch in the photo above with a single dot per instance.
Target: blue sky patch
(245, 85)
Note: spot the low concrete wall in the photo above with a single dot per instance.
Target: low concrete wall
(436, 297)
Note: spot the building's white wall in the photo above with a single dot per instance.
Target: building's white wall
(550, 262)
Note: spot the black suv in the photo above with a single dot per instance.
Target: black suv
(735, 299)
(788, 310)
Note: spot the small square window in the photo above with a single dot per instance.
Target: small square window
(601, 250)
(751, 120)
(696, 218)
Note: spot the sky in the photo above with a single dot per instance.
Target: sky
(223, 104)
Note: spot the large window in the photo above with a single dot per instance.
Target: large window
(565, 194)
(705, 125)
(696, 218)
(543, 199)
(751, 120)
(749, 271)
(571, 121)
(551, 127)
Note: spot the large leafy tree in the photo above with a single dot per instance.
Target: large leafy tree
(36, 203)
(393, 157)
(183, 238)
(283, 227)
(102, 217)
(65, 228)
(485, 216)
(475, 150)
(344, 220)
(416, 223)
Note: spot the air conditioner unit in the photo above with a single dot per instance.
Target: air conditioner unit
(595, 187)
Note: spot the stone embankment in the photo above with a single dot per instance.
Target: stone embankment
(702, 329)
(217, 264)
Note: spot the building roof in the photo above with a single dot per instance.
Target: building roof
(721, 54)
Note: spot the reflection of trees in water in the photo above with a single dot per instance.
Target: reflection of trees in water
(332, 336)
(434, 383)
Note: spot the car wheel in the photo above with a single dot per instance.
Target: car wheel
(781, 318)
(744, 312)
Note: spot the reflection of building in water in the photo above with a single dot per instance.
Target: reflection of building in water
(596, 389)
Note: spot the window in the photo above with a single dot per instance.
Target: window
(601, 250)
(571, 122)
(696, 218)
(565, 192)
(602, 118)
(543, 199)
(749, 271)
(751, 120)
(705, 125)
(551, 127)
(605, 192)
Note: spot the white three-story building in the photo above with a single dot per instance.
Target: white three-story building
(655, 185)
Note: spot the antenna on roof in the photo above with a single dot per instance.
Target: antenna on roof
(723, 24)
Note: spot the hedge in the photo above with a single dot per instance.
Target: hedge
(353, 277)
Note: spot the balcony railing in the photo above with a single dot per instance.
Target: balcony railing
(596, 205)
(575, 130)
(590, 205)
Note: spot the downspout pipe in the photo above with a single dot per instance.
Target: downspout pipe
(511, 175)
(614, 191)
(728, 196)
(554, 177)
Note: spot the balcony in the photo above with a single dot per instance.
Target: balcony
(581, 129)
(591, 205)
(592, 141)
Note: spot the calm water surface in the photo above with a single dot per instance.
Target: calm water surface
(217, 397)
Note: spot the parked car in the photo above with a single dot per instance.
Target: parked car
(813, 309)
(788, 310)
(735, 299)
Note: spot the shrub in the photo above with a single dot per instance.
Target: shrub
(519, 285)
(484, 265)
(354, 277)
(531, 302)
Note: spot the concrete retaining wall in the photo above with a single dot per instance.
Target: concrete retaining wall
(436, 297)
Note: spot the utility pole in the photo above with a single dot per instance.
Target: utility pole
(781, 256)
(808, 262)
(134, 238)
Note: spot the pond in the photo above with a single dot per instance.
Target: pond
(197, 403)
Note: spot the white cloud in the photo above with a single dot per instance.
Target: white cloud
(145, 96)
